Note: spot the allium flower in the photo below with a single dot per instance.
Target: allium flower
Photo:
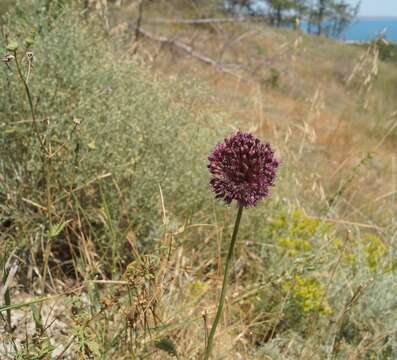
(243, 169)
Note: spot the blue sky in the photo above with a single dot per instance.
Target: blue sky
(377, 7)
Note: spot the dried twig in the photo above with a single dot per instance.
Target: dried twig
(205, 21)
(188, 49)
(11, 273)
(139, 20)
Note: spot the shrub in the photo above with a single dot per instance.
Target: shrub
(117, 134)
(387, 50)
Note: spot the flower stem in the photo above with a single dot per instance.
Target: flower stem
(31, 106)
(224, 285)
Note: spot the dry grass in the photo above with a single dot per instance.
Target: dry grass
(324, 109)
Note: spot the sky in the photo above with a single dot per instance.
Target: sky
(377, 7)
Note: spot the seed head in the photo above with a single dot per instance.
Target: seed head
(243, 169)
(29, 56)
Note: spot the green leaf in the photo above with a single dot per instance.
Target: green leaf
(12, 46)
(167, 345)
(38, 320)
(56, 229)
(21, 305)
(28, 42)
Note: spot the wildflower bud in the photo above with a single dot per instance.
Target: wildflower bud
(30, 56)
(76, 121)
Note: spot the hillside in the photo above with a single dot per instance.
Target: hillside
(327, 104)
(112, 244)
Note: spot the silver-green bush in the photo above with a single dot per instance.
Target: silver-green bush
(120, 133)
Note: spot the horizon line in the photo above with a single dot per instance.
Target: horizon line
(377, 17)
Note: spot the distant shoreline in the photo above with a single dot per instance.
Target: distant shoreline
(367, 28)
(368, 17)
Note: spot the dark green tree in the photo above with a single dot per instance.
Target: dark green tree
(331, 17)
(343, 15)
(241, 6)
(277, 10)
(301, 9)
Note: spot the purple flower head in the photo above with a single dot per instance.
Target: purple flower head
(243, 169)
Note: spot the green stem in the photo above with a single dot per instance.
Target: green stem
(46, 158)
(224, 285)
(31, 106)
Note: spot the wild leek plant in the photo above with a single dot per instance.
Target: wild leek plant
(243, 169)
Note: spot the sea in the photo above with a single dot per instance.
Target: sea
(365, 29)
